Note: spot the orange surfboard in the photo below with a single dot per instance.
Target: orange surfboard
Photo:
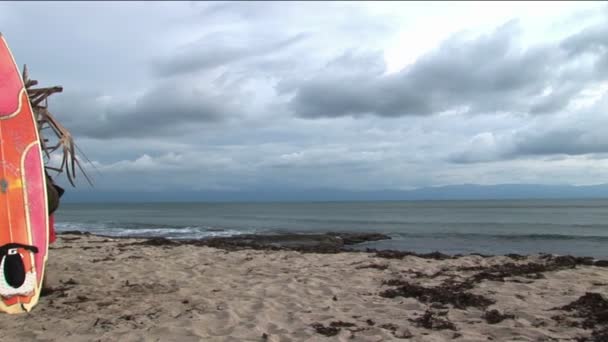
(23, 202)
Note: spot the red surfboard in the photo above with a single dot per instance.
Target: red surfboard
(23, 201)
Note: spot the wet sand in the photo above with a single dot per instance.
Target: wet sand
(278, 289)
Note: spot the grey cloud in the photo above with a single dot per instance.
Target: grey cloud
(593, 38)
(533, 143)
(164, 110)
(562, 141)
(487, 74)
(574, 134)
(221, 49)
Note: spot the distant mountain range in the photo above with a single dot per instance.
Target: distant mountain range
(452, 192)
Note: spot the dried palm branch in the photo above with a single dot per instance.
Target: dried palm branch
(62, 137)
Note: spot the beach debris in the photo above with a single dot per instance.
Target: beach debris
(325, 331)
(396, 331)
(59, 291)
(380, 267)
(334, 328)
(431, 321)
(446, 293)
(341, 324)
(495, 316)
(456, 293)
(592, 307)
(69, 282)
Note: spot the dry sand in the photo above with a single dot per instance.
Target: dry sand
(113, 290)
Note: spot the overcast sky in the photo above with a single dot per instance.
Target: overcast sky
(355, 95)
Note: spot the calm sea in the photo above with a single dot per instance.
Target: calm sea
(578, 227)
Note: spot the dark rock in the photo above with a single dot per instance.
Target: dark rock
(357, 238)
(572, 261)
(392, 254)
(73, 232)
(65, 238)
(476, 254)
(601, 263)
(316, 243)
(158, 241)
(515, 256)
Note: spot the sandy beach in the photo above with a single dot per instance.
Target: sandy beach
(105, 289)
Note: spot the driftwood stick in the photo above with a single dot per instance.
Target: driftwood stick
(25, 75)
(55, 89)
(35, 102)
(38, 95)
(53, 168)
(30, 83)
(26, 78)
(38, 98)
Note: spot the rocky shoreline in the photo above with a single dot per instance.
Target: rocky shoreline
(331, 242)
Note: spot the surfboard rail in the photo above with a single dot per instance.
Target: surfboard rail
(23, 199)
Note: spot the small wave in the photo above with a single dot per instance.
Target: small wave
(150, 230)
(173, 233)
(511, 237)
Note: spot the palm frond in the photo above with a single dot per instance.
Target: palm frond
(50, 129)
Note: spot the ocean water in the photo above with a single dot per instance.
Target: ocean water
(577, 227)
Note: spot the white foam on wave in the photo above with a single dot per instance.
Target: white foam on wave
(190, 232)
